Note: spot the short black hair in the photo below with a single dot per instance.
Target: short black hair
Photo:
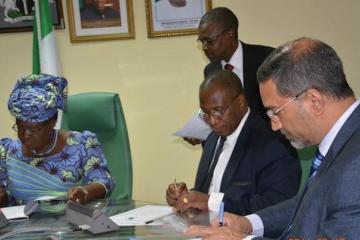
(222, 16)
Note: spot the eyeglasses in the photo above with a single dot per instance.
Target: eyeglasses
(210, 40)
(217, 114)
(23, 130)
(273, 114)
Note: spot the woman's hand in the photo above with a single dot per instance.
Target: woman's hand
(78, 194)
(87, 193)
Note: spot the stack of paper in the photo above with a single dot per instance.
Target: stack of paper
(141, 216)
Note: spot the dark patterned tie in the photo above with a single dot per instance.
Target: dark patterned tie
(229, 67)
(206, 185)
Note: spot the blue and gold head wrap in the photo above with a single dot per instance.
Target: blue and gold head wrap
(36, 98)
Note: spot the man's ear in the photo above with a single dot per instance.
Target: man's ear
(315, 101)
(231, 33)
(241, 100)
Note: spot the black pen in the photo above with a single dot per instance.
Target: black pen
(150, 221)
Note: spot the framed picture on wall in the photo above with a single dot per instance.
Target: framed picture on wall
(17, 16)
(174, 17)
(93, 20)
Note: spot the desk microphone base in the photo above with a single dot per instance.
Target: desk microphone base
(88, 218)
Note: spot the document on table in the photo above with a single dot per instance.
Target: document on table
(51, 198)
(23, 211)
(145, 215)
(196, 127)
(15, 212)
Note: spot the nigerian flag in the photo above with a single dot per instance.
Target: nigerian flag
(45, 57)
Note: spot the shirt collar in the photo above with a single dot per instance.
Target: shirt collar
(330, 136)
(236, 59)
(232, 138)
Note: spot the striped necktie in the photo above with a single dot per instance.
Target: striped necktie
(315, 165)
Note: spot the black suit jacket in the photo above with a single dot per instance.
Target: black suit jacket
(253, 56)
(261, 171)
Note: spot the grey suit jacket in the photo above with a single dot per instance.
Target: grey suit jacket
(330, 206)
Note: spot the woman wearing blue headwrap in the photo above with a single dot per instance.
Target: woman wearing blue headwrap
(45, 161)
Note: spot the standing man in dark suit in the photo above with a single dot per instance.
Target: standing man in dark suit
(218, 34)
(303, 85)
(252, 170)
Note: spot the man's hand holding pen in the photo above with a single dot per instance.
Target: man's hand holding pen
(175, 192)
(192, 199)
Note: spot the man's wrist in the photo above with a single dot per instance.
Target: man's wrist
(256, 224)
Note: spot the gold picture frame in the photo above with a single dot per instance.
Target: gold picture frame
(17, 16)
(166, 18)
(88, 21)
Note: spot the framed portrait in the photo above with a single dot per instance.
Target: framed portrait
(94, 20)
(174, 17)
(17, 16)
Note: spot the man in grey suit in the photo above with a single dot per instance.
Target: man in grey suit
(304, 88)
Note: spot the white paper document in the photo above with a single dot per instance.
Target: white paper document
(51, 198)
(15, 212)
(145, 215)
(196, 127)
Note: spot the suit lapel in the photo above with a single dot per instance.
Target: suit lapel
(237, 154)
(247, 66)
(353, 122)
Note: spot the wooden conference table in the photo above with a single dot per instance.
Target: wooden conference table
(53, 226)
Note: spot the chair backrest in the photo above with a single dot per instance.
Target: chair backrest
(306, 155)
(101, 113)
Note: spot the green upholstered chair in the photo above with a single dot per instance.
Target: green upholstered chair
(101, 113)
(306, 155)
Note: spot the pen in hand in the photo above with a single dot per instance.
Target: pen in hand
(221, 217)
(175, 184)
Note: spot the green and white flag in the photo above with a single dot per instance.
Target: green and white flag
(45, 56)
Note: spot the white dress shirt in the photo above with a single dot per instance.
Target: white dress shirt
(237, 61)
(214, 190)
(257, 224)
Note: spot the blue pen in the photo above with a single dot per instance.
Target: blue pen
(221, 220)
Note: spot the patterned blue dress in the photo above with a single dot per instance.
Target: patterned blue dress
(80, 162)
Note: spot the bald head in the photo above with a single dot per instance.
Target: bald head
(227, 80)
